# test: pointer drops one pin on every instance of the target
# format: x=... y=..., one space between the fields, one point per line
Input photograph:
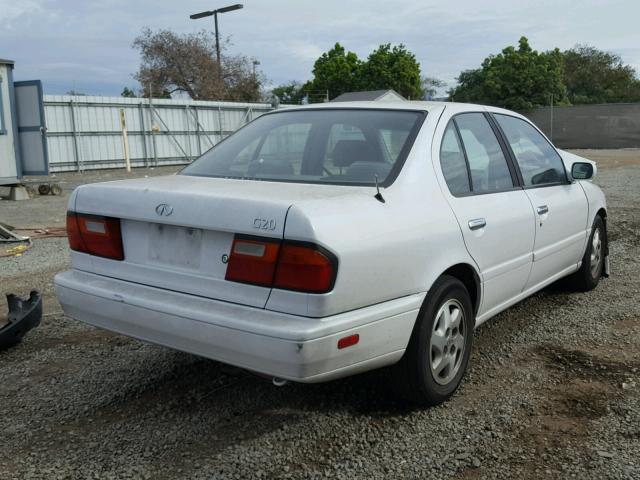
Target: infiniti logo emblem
x=164 y=210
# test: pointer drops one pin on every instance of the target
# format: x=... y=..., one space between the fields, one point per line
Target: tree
x=392 y=68
x=336 y=72
x=518 y=79
x=430 y=86
x=128 y=93
x=595 y=76
x=186 y=63
x=291 y=93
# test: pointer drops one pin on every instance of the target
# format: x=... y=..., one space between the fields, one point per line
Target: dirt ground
x=553 y=389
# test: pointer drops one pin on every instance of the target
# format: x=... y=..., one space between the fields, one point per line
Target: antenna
x=378 y=196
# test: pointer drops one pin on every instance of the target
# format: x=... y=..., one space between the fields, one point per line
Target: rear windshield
x=339 y=146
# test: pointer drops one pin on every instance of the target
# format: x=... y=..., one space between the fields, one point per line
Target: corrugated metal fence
x=85 y=133
x=590 y=126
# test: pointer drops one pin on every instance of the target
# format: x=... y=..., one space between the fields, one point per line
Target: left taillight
x=95 y=235
x=253 y=260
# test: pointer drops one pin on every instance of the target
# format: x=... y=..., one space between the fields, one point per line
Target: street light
x=215 y=13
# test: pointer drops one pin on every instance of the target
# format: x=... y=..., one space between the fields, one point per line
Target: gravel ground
x=553 y=390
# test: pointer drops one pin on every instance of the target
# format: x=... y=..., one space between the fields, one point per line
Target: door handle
x=477 y=223
x=542 y=209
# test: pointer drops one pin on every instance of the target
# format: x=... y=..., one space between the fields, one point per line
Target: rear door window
x=453 y=163
x=487 y=162
x=538 y=161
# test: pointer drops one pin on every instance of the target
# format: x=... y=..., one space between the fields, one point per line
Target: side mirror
x=582 y=171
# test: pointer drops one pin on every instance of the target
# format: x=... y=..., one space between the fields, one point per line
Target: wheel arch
x=470 y=279
x=602 y=213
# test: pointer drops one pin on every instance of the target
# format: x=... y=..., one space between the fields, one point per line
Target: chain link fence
x=590 y=126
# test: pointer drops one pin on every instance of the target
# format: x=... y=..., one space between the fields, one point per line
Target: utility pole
x=551 y=120
x=215 y=21
x=215 y=13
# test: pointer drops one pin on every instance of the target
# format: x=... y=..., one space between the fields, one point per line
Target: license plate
x=178 y=247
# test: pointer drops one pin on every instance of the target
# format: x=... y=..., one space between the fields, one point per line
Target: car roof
x=382 y=105
x=396 y=105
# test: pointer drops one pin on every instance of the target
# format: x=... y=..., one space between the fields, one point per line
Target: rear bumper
x=292 y=347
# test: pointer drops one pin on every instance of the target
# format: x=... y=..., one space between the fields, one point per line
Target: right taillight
x=95 y=235
x=299 y=266
x=305 y=268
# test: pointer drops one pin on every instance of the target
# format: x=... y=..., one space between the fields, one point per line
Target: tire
x=419 y=377
x=588 y=277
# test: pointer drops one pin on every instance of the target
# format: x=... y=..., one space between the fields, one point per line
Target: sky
x=85 y=45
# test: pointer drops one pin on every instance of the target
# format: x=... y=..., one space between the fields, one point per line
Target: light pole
x=215 y=13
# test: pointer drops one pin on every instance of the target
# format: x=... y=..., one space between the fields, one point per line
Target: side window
x=539 y=163
x=488 y=165
x=454 y=166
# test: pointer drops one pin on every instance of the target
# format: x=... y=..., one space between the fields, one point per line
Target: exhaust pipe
x=279 y=382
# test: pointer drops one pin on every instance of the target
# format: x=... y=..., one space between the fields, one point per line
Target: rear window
x=338 y=146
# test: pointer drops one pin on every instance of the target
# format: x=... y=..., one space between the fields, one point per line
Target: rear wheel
x=438 y=353
x=588 y=277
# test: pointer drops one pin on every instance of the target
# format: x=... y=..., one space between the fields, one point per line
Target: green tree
x=128 y=93
x=518 y=79
x=291 y=93
x=336 y=72
x=392 y=67
x=595 y=76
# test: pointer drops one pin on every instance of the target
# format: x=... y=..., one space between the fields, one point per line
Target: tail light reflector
x=95 y=235
x=349 y=341
x=298 y=266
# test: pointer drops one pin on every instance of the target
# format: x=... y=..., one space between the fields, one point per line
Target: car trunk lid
x=177 y=231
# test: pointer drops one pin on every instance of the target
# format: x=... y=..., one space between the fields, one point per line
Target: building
x=23 y=146
x=370 y=96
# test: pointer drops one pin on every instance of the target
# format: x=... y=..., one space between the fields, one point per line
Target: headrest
x=347 y=152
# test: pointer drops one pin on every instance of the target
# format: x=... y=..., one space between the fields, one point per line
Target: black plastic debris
x=8 y=235
x=23 y=316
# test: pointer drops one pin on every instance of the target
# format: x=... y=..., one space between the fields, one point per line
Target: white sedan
x=323 y=241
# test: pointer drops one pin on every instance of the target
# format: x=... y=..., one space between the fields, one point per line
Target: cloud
x=87 y=44
x=14 y=13
x=302 y=50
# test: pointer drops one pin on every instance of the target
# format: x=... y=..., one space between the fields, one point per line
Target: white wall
x=8 y=168
x=85 y=133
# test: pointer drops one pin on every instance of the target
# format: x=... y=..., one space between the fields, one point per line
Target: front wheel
x=438 y=352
